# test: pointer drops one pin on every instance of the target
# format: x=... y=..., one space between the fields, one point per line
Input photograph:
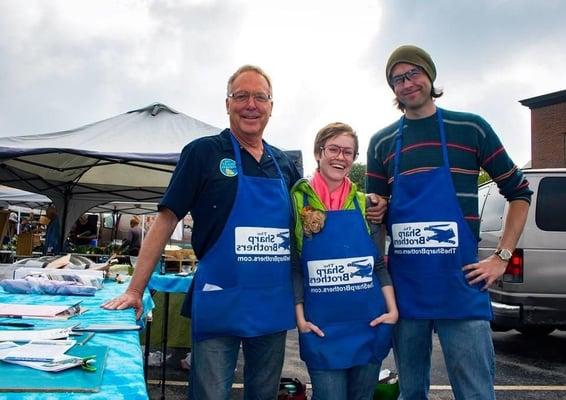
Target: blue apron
x=342 y=295
x=243 y=284
x=430 y=243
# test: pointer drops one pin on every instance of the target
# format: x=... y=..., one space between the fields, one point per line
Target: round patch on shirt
x=228 y=167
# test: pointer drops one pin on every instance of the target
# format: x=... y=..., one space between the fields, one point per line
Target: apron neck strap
x=305 y=200
x=399 y=140
x=238 y=155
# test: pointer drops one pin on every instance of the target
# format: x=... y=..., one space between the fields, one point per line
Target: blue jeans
x=468 y=354
x=213 y=362
x=356 y=383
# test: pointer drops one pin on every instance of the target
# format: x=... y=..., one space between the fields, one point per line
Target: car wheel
x=536 y=330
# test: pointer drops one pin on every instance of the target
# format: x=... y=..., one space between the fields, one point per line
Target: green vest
x=302 y=188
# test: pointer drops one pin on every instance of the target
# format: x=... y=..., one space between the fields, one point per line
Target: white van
x=531 y=295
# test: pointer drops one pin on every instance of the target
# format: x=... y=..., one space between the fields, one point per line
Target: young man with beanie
x=428 y=162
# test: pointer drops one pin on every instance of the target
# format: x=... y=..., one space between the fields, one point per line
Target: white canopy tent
x=15 y=197
x=11 y=197
x=128 y=159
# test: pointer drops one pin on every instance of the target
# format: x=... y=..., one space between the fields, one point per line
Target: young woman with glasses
x=345 y=305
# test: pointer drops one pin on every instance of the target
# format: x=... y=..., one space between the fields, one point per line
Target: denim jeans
x=213 y=362
x=356 y=383
x=468 y=354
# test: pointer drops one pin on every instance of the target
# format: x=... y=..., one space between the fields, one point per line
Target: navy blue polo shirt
x=198 y=185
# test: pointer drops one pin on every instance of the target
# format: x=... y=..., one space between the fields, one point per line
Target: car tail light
x=514 y=271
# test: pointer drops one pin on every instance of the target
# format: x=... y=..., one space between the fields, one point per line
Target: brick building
x=548 y=129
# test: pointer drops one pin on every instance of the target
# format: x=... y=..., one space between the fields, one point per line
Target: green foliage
x=86 y=249
x=358 y=175
x=113 y=249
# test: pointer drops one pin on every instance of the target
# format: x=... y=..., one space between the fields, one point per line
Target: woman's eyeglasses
x=333 y=151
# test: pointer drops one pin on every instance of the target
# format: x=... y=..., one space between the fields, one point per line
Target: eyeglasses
x=409 y=75
x=244 y=97
x=333 y=151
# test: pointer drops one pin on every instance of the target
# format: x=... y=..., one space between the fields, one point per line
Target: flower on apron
x=312 y=219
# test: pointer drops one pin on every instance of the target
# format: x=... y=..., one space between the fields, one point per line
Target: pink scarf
x=334 y=200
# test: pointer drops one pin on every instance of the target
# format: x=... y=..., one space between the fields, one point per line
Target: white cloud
x=67 y=63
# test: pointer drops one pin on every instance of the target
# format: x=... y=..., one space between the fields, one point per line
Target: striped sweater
x=472 y=144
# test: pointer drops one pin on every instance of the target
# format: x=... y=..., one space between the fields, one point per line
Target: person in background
x=134 y=239
x=26 y=224
x=345 y=304
x=236 y=187
x=12 y=228
x=428 y=162
x=53 y=233
x=85 y=230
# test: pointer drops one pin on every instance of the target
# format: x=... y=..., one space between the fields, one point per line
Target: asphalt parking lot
x=527 y=368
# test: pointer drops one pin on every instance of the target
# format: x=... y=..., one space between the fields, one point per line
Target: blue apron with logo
x=430 y=243
x=342 y=295
x=243 y=284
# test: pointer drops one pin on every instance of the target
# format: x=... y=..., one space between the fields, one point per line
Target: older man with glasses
x=235 y=186
x=428 y=162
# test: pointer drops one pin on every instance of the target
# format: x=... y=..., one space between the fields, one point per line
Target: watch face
x=504 y=254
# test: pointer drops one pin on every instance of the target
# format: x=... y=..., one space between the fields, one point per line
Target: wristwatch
x=504 y=254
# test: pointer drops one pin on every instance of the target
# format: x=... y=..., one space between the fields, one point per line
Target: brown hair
x=330 y=131
x=247 y=68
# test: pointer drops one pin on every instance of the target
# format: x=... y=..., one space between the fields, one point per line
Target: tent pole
x=115 y=227
x=63 y=215
x=19 y=220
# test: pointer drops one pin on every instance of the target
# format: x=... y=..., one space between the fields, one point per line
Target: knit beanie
x=411 y=55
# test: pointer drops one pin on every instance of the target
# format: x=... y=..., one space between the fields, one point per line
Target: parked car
x=531 y=295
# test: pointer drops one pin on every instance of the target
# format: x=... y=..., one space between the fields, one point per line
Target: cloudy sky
x=66 y=63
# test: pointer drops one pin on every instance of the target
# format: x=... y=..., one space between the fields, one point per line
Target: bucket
x=387 y=388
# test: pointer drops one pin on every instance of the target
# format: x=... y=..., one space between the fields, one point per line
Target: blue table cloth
x=170 y=283
x=123 y=376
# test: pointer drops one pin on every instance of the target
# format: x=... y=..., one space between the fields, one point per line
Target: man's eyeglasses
x=409 y=75
x=333 y=151
x=244 y=97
